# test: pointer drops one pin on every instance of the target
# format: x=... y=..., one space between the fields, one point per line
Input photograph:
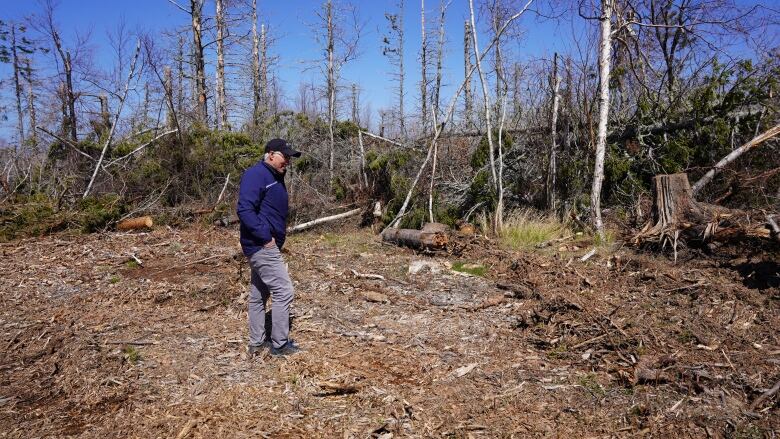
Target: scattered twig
x=764 y=396
x=588 y=255
x=133 y=342
x=367 y=275
x=187 y=427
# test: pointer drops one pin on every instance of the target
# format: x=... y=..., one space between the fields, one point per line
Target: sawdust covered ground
x=95 y=344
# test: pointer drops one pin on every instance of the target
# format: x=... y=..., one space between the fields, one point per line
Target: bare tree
x=439 y=57
x=393 y=47
x=122 y=99
x=68 y=95
x=31 y=101
x=555 y=84
x=439 y=125
x=222 y=121
x=17 y=82
x=256 y=96
x=605 y=52
x=335 y=58
x=423 y=71
x=198 y=61
x=467 y=98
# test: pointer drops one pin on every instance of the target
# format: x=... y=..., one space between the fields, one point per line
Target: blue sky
x=292 y=25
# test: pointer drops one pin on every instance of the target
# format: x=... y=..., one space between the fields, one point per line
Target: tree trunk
x=180 y=77
x=221 y=99
x=265 y=96
x=17 y=85
x=467 y=99
x=486 y=101
x=605 y=49
x=401 y=118
x=31 y=102
x=551 y=164
x=331 y=90
x=170 y=119
x=439 y=57
x=201 y=112
x=423 y=72
x=72 y=122
x=355 y=106
x=255 y=67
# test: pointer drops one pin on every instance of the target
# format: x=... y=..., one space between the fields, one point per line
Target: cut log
x=419 y=239
x=143 y=222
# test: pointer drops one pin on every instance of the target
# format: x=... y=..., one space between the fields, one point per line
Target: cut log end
x=143 y=222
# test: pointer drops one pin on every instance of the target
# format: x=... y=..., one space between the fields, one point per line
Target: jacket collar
x=273 y=170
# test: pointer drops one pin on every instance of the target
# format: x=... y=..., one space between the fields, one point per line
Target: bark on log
x=143 y=222
x=419 y=239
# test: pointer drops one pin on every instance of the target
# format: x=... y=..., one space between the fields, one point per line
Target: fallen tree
x=679 y=217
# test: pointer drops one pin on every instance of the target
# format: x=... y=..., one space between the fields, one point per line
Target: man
x=262 y=211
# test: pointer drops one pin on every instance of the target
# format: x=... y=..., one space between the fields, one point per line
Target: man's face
x=279 y=161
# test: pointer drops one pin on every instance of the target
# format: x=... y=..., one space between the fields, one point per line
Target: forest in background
x=653 y=87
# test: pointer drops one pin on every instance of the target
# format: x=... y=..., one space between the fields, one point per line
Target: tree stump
x=679 y=217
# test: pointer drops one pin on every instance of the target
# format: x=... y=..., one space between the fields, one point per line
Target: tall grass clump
x=524 y=228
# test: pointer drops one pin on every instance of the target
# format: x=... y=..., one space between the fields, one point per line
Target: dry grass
x=525 y=228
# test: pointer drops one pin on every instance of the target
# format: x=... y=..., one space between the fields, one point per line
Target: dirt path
x=96 y=345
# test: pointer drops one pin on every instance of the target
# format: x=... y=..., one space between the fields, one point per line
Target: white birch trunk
x=255 y=67
x=605 y=50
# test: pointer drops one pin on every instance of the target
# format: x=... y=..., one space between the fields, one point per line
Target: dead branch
x=122 y=100
x=764 y=396
x=307 y=225
x=733 y=155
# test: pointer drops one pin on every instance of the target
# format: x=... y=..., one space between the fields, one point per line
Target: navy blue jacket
x=262 y=207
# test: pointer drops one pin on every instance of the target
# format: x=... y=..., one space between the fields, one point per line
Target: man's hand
x=270 y=244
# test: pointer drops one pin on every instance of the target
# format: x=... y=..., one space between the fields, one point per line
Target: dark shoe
x=257 y=350
x=288 y=348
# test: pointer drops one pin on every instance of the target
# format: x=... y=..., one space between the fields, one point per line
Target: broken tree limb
x=144 y=222
x=122 y=100
x=733 y=155
x=326 y=219
x=141 y=147
x=67 y=142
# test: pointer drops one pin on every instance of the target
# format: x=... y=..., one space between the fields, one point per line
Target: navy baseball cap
x=282 y=146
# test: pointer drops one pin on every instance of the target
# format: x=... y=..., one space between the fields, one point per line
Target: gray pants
x=269 y=279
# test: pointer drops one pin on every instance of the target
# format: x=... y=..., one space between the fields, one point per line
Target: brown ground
x=544 y=345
